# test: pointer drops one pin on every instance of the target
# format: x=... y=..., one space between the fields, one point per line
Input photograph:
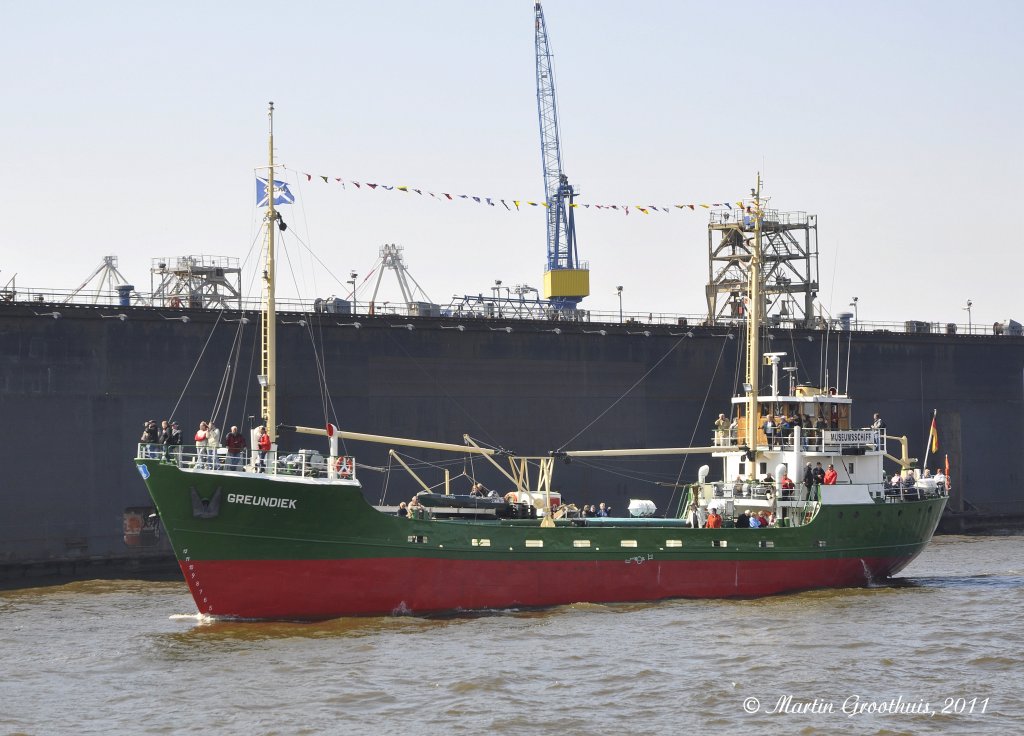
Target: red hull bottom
x=320 y=589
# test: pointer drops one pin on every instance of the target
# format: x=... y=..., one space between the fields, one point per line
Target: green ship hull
x=265 y=546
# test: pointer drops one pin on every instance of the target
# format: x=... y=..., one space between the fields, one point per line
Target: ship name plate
x=269 y=501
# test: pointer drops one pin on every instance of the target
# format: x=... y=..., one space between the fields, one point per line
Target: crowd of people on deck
x=901 y=481
x=165 y=441
x=778 y=426
x=697 y=519
x=601 y=511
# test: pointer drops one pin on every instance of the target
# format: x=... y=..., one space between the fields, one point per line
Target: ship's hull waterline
x=267 y=548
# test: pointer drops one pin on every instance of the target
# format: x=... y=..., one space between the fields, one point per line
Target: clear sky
x=133 y=129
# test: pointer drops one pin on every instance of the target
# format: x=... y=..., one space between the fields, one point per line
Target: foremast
x=268 y=314
x=754 y=310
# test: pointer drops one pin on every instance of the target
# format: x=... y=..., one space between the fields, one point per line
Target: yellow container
x=567 y=282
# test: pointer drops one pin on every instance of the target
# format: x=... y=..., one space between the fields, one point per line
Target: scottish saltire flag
x=282 y=194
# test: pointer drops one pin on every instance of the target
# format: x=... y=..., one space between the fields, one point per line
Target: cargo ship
x=266 y=533
x=79 y=379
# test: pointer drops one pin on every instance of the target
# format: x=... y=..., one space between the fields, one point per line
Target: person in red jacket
x=831 y=475
x=787 y=486
x=263 y=445
x=714 y=520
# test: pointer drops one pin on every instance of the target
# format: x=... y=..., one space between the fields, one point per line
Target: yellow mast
x=754 y=309
x=268 y=384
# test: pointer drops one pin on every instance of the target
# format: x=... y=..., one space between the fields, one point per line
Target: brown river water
x=937 y=651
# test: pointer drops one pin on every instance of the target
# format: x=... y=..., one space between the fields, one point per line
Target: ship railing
x=195 y=457
x=491 y=307
x=742 y=491
x=913 y=490
x=724 y=437
x=304 y=463
x=761 y=491
x=794 y=506
x=829 y=441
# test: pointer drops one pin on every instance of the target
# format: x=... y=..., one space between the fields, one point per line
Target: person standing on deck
x=785 y=429
x=201 y=435
x=212 y=443
x=263 y=445
x=165 y=436
x=808 y=479
x=236 y=444
x=819 y=474
x=820 y=425
x=174 y=443
x=693 y=516
x=150 y=436
x=721 y=430
x=787 y=485
x=769 y=430
x=831 y=476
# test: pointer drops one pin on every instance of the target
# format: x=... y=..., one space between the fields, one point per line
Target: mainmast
x=268 y=379
x=754 y=309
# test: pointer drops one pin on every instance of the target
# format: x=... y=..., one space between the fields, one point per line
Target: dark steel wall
x=74 y=392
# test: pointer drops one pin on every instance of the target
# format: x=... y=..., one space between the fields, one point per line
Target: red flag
x=947 y=471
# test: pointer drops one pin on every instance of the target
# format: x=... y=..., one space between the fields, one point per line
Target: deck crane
x=566 y=278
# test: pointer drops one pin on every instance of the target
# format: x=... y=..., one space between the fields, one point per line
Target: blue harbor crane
x=566 y=278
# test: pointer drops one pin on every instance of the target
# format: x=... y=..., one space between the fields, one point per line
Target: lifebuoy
x=511 y=497
x=344 y=466
x=831 y=392
x=175 y=302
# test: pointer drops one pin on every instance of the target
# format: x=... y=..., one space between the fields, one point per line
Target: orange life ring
x=831 y=392
x=344 y=466
x=175 y=302
x=511 y=497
